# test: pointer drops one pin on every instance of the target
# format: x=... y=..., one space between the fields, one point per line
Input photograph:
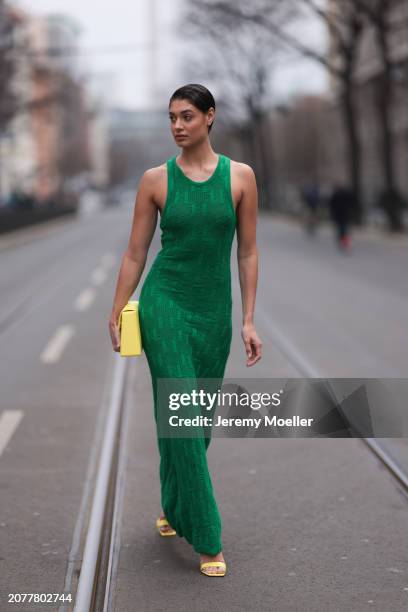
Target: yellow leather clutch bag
x=129 y=330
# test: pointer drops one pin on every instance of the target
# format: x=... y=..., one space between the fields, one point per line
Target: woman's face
x=189 y=125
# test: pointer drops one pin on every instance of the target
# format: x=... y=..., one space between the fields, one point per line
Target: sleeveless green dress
x=185 y=318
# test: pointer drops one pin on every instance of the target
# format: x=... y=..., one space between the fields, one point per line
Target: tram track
x=100 y=552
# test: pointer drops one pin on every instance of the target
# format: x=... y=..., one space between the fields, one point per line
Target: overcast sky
x=107 y=26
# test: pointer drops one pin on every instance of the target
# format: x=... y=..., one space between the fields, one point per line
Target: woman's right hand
x=114 y=332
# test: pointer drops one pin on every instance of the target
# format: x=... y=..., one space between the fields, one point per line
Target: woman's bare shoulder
x=156 y=173
x=241 y=169
x=242 y=174
x=155 y=179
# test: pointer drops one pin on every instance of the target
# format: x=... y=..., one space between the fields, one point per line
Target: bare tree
x=379 y=15
x=345 y=24
x=238 y=58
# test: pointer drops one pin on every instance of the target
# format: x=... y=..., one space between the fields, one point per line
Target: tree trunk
x=390 y=198
x=354 y=149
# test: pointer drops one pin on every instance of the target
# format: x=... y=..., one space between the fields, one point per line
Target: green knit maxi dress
x=185 y=309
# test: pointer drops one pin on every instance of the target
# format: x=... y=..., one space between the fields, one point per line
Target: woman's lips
x=181 y=136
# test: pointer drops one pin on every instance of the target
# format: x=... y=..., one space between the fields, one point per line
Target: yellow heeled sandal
x=213 y=564
x=160 y=523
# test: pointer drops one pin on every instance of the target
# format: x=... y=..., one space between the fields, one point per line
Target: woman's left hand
x=253 y=344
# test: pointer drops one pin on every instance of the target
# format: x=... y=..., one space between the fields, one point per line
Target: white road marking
x=57 y=344
x=9 y=421
x=98 y=276
x=85 y=299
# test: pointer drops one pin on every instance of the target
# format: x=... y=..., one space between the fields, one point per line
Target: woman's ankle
x=220 y=554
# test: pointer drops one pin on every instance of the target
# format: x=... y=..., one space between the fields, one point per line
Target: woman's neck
x=198 y=157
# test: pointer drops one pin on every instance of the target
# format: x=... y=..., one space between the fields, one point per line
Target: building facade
x=46 y=140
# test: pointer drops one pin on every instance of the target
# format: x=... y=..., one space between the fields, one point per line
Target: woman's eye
x=186 y=118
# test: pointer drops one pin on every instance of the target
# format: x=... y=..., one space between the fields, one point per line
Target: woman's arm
x=134 y=258
x=247 y=255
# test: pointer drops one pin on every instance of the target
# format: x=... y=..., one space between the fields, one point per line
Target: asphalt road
x=308 y=524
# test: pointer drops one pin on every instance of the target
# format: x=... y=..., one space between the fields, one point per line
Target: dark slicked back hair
x=198 y=95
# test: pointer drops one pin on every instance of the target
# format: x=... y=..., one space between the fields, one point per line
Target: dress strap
x=170 y=186
x=226 y=176
x=170 y=176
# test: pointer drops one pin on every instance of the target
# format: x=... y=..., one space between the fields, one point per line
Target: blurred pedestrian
x=311 y=198
x=342 y=204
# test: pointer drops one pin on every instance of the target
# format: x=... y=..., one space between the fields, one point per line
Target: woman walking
x=185 y=303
